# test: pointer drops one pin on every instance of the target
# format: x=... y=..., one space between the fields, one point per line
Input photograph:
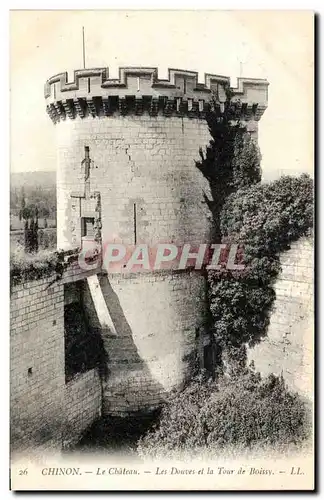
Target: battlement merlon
x=138 y=83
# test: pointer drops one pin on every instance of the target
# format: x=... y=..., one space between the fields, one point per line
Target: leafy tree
x=22 y=204
x=31 y=197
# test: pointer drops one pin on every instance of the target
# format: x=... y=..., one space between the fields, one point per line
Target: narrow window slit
x=135 y=222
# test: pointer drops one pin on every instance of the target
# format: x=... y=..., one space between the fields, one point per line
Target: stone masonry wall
x=45 y=412
x=151 y=192
x=131 y=143
x=37 y=363
x=155 y=339
x=154 y=348
x=82 y=405
x=142 y=160
x=288 y=348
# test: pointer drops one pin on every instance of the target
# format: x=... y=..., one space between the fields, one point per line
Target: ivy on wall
x=233 y=414
x=262 y=218
x=28 y=267
x=265 y=219
x=231 y=160
x=24 y=267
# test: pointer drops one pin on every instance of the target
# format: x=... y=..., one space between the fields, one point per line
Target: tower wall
x=148 y=162
x=157 y=317
x=126 y=157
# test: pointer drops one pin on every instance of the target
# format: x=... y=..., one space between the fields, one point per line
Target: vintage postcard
x=162 y=250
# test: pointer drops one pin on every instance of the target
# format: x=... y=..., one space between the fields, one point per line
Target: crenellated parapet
x=139 y=90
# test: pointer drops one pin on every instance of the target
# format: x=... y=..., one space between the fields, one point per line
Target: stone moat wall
x=45 y=409
x=289 y=345
x=146 y=355
x=51 y=412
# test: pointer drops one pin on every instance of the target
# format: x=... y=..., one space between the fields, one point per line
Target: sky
x=276 y=45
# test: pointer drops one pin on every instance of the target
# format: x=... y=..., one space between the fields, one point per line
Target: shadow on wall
x=83 y=352
x=129 y=387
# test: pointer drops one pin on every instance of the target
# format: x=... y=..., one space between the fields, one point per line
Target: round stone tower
x=126 y=151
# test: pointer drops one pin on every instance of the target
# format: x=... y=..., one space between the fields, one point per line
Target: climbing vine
x=232 y=158
x=28 y=267
x=262 y=218
x=265 y=219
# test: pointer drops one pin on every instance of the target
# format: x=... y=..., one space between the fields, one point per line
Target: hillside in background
x=32 y=179
x=35 y=190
